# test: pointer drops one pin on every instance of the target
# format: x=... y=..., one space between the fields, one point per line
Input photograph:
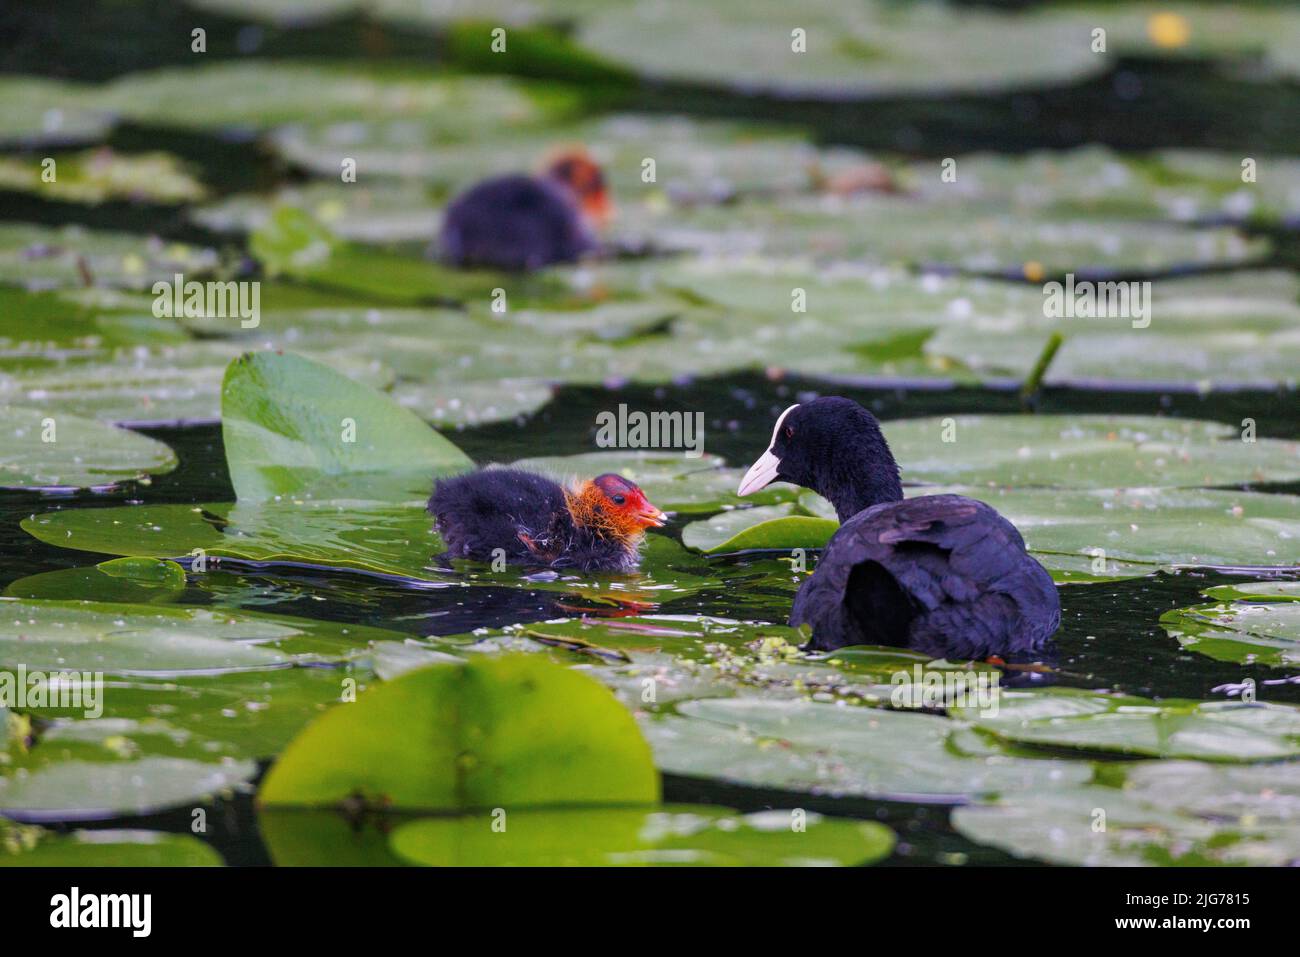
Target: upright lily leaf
x=53 y=450
x=512 y=732
x=295 y=428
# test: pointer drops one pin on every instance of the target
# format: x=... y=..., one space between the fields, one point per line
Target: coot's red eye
x=789 y=431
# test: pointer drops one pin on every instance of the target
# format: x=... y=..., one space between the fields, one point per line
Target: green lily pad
x=139 y=580
x=1168 y=812
x=38 y=112
x=670 y=835
x=839 y=751
x=1258 y=631
x=1256 y=591
x=171 y=384
x=1186 y=340
x=865 y=48
x=162 y=640
x=30 y=846
x=262 y=94
x=45 y=257
x=248 y=714
x=81 y=790
x=766 y=527
x=294 y=428
x=51 y=450
x=1098 y=723
x=975 y=239
x=513 y=732
x=1086 y=451
x=97 y=176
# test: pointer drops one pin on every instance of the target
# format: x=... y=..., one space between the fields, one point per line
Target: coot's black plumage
x=942 y=574
x=519 y=222
x=529 y=519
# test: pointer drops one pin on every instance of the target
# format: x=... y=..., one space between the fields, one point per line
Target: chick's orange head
x=623 y=503
x=584 y=178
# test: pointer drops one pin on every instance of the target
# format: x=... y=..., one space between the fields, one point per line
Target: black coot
x=942 y=574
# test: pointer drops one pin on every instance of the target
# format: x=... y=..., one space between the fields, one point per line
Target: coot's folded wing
x=944 y=574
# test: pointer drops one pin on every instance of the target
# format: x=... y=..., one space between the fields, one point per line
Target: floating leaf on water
x=1262 y=627
x=840 y=751
x=513 y=731
x=1098 y=723
x=43 y=449
x=104 y=848
x=167 y=640
x=664 y=836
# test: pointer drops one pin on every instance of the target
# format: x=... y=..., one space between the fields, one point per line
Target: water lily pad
x=295 y=428
x=1098 y=723
x=247 y=714
x=766 y=527
x=78 y=790
x=834 y=750
x=52 y=450
x=138 y=580
x=1260 y=630
x=1256 y=591
x=39 y=111
x=259 y=94
x=35 y=847
x=163 y=640
x=512 y=732
x=1167 y=812
x=96 y=176
x=165 y=384
x=45 y=257
x=866 y=48
x=1086 y=451
x=1186 y=339
x=973 y=239
x=670 y=835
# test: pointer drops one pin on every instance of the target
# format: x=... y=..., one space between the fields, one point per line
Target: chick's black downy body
x=514 y=222
x=942 y=574
x=529 y=518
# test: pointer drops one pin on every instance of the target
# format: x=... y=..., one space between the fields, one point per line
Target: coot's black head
x=834 y=447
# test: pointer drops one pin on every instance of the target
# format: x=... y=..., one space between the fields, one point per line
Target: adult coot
x=942 y=574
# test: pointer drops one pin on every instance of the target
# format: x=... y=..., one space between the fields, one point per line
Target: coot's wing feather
x=972 y=589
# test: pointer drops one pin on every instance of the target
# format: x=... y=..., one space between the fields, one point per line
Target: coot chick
x=534 y=520
x=518 y=222
x=945 y=575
